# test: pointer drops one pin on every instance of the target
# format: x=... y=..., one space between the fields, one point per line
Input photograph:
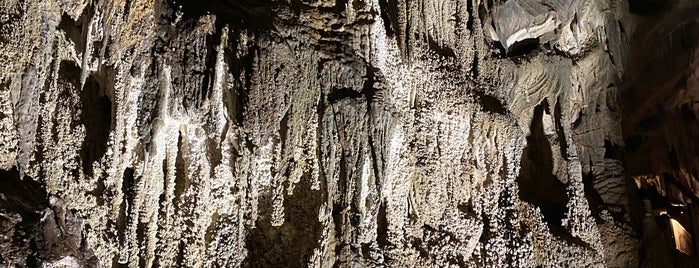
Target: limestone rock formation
x=347 y=133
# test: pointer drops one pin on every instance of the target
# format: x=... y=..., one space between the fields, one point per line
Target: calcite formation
x=314 y=133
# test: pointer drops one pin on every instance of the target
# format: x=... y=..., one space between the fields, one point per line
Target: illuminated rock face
x=362 y=133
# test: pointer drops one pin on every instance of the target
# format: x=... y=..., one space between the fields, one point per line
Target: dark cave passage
x=661 y=130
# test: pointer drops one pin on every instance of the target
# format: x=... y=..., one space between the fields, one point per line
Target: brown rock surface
x=318 y=133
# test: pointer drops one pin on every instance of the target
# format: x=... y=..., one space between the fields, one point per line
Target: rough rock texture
x=355 y=133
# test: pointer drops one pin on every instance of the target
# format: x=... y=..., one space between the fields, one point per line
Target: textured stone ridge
x=362 y=133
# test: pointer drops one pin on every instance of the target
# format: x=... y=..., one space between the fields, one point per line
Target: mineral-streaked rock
x=313 y=133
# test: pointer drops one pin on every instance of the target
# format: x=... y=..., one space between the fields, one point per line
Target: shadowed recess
x=523 y=47
x=291 y=244
x=27 y=198
x=248 y=14
x=96 y=116
x=649 y=6
x=23 y=196
x=537 y=184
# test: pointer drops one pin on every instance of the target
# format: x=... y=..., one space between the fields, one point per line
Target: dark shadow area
x=557 y=115
x=76 y=31
x=96 y=116
x=660 y=130
x=594 y=200
x=613 y=151
x=73 y=31
x=126 y=206
x=27 y=199
x=650 y=7
x=382 y=227
x=633 y=143
x=490 y=104
x=443 y=51
x=148 y=104
x=653 y=119
x=389 y=15
x=181 y=178
x=249 y=14
x=523 y=47
x=292 y=244
x=338 y=94
x=10 y=17
x=95 y=113
x=241 y=67
x=537 y=184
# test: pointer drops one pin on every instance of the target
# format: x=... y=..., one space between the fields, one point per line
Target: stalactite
x=368 y=133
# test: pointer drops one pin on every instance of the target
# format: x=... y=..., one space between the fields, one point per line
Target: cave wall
x=314 y=133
